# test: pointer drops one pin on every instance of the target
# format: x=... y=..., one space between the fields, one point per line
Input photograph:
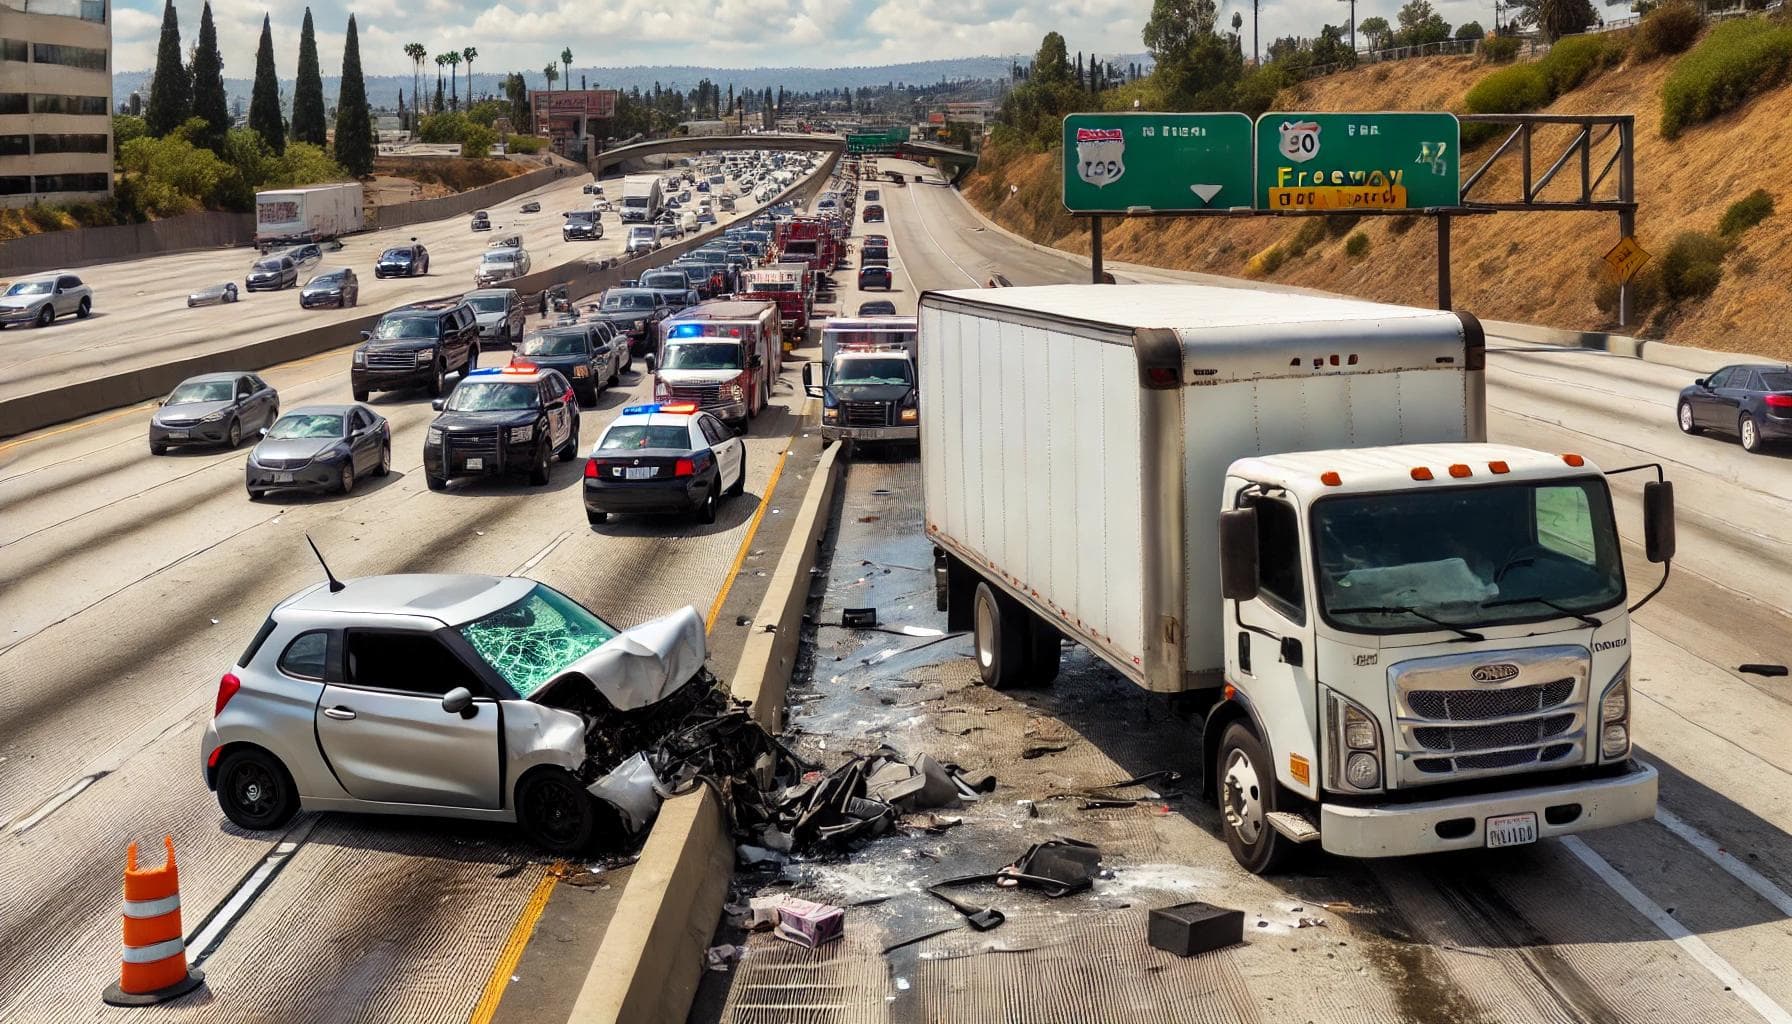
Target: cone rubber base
x=115 y=996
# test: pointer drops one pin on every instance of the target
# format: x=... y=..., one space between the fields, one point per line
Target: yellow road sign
x=1626 y=258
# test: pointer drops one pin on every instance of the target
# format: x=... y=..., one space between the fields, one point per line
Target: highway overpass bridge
x=960 y=161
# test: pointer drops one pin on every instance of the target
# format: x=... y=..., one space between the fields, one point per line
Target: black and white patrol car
x=666 y=458
x=512 y=419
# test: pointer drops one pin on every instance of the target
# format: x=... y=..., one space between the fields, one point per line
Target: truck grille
x=704 y=395
x=483 y=444
x=864 y=414
x=1451 y=725
x=391 y=360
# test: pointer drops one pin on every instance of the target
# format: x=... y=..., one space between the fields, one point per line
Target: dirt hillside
x=1529 y=267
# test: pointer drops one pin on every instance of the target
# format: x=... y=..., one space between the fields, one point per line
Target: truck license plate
x=283 y=478
x=1511 y=830
x=476 y=463
x=637 y=473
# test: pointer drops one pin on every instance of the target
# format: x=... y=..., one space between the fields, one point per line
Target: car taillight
x=1779 y=401
x=227 y=688
x=592 y=468
x=685 y=467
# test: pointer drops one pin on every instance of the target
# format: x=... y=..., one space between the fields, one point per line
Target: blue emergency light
x=687 y=331
x=640 y=410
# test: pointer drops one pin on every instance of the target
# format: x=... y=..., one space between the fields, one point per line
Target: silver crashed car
x=492 y=698
x=212 y=296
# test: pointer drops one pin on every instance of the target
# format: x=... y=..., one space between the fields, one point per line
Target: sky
x=526 y=34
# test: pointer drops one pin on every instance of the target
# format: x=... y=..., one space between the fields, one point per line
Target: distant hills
x=382 y=90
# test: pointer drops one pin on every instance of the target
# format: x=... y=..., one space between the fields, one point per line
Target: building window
x=15 y=185
x=73 y=182
x=12 y=103
x=69 y=144
x=50 y=103
x=15 y=145
x=13 y=49
x=69 y=56
x=86 y=10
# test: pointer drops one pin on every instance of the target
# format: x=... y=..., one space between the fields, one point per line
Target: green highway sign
x=1156 y=163
x=1310 y=162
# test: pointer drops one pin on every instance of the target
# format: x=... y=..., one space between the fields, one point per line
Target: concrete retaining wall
x=56 y=250
x=402 y=214
x=84 y=398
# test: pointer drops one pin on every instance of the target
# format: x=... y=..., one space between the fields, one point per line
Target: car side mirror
x=437 y=404
x=1238 y=554
x=1700 y=383
x=651 y=362
x=1658 y=520
x=459 y=701
x=264 y=431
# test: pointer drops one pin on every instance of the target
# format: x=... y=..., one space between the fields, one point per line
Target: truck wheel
x=436 y=483
x=437 y=383
x=538 y=476
x=1248 y=792
x=1000 y=638
x=1044 y=647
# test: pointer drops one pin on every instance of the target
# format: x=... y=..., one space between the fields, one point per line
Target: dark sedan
x=1753 y=402
x=402 y=261
x=213 y=409
x=332 y=289
x=877 y=307
x=874 y=277
x=272 y=274
x=320 y=448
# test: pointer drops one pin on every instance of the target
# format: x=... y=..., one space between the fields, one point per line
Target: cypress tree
x=170 y=92
x=209 y=101
x=354 y=124
x=308 y=91
x=264 y=101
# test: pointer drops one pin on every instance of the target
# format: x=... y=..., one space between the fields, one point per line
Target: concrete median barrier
x=84 y=398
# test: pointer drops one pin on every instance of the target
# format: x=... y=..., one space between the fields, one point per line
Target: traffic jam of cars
x=534 y=700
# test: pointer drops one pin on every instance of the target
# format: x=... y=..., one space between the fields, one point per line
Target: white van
x=687 y=222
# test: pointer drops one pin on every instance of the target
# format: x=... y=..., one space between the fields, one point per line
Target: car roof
x=432 y=306
x=489 y=291
x=200 y=378
x=336 y=409
x=450 y=598
x=510 y=373
x=651 y=419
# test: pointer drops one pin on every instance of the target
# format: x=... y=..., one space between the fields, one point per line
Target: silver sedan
x=491 y=698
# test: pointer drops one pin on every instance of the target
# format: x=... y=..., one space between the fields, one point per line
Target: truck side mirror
x=366 y=335
x=651 y=362
x=755 y=361
x=1238 y=554
x=810 y=388
x=437 y=404
x=1658 y=520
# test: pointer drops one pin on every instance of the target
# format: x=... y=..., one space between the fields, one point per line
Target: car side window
x=66 y=283
x=307 y=656
x=1720 y=379
x=708 y=427
x=410 y=661
x=1754 y=382
x=1279 y=558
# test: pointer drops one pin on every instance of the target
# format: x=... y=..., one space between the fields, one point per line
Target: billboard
x=589 y=103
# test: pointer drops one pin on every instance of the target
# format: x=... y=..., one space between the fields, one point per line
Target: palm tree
x=417 y=52
x=552 y=71
x=441 y=62
x=469 y=53
x=453 y=59
x=566 y=59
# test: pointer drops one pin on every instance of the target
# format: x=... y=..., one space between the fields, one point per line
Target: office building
x=55 y=101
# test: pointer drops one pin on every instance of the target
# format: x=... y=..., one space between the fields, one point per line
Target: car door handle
x=340 y=713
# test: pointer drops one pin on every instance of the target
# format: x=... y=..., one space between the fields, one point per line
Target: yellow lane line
x=771 y=487
x=512 y=953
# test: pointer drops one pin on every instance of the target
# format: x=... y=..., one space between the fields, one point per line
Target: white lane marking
x=1718 y=855
x=52 y=805
x=916 y=205
x=217 y=924
x=539 y=555
x=1694 y=946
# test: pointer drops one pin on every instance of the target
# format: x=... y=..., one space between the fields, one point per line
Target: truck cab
x=869 y=387
x=723 y=355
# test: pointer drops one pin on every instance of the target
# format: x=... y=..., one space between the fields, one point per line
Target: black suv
x=501 y=420
x=417 y=346
x=582 y=224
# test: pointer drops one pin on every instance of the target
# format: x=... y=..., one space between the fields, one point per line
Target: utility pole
x=1352 y=4
x=1256 y=55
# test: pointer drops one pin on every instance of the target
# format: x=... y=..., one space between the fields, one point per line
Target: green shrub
x=1668 y=29
x=1574 y=59
x=1692 y=265
x=1499 y=49
x=1356 y=245
x=526 y=143
x=1511 y=90
x=476 y=140
x=1645 y=291
x=1745 y=213
x=1735 y=60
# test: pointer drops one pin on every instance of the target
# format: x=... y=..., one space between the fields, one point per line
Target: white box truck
x=309 y=214
x=1401 y=639
x=640 y=198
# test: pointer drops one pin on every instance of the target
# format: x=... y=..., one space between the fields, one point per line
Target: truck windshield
x=532 y=641
x=1467 y=556
x=702 y=355
x=882 y=370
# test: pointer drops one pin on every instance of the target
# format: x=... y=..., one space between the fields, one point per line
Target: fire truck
x=791 y=287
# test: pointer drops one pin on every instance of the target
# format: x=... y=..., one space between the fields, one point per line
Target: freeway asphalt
x=131 y=585
x=1682 y=918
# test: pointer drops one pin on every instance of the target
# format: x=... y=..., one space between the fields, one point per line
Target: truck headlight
x=426 y=355
x=581 y=370
x=1355 y=745
x=433 y=438
x=1362 y=770
x=830 y=414
x=733 y=392
x=360 y=358
x=1614 y=717
x=522 y=434
x=1359 y=729
x=909 y=414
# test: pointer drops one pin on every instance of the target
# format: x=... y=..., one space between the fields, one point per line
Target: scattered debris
x=981 y=918
x=869 y=519
x=1189 y=928
x=1102 y=805
x=858 y=618
x=631 y=788
x=1043 y=749
x=1056 y=867
x=719 y=958
x=1310 y=922
x=809 y=924
x=1751 y=669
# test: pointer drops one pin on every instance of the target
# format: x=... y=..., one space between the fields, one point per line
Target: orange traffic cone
x=155 y=956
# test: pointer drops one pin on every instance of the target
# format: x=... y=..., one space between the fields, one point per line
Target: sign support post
x=1095 y=247
x=1443 y=261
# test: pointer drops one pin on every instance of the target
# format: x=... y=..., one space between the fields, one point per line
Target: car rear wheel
x=360 y=394
x=571 y=447
x=436 y=483
x=255 y=791
x=555 y=812
x=1686 y=422
x=706 y=513
x=1750 y=433
x=740 y=480
x=85 y=309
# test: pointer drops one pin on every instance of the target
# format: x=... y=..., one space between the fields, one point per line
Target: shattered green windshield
x=534 y=640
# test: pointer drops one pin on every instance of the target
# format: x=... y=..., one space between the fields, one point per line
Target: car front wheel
x=555 y=812
x=1687 y=426
x=45 y=315
x=255 y=791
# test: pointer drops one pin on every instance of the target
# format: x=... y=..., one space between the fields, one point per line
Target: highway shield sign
x=1156 y=163
x=1308 y=162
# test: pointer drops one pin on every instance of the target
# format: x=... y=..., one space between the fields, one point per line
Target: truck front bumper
x=910 y=433
x=1399 y=830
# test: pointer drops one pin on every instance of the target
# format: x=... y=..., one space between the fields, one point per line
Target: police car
x=670 y=457
x=510 y=419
